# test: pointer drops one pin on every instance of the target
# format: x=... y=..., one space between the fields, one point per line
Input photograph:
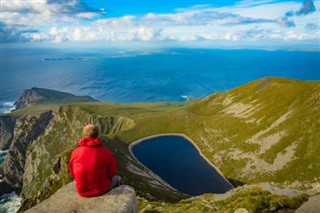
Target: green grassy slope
x=254 y=199
x=53 y=96
x=264 y=131
x=267 y=130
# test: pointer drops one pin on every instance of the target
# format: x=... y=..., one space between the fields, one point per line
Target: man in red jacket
x=92 y=165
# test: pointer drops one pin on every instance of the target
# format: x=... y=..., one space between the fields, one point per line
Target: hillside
x=46 y=96
x=264 y=131
x=267 y=130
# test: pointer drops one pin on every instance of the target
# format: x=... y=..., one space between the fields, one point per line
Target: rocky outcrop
x=121 y=199
x=27 y=97
x=7 y=124
x=27 y=130
x=268 y=187
x=311 y=206
x=46 y=164
x=40 y=95
x=263 y=197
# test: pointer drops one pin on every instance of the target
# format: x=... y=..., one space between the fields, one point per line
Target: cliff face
x=27 y=97
x=46 y=168
x=121 y=199
x=7 y=124
x=37 y=163
x=39 y=95
x=26 y=131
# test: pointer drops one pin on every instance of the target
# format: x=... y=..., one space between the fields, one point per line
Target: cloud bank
x=74 y=21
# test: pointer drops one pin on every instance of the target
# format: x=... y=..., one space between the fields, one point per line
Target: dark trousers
x=115 y=181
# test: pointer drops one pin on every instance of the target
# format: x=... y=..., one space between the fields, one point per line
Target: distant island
x=263 y=131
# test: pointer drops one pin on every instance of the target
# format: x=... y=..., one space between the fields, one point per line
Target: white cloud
x=45 y=12
x=24 y=6
x=262 y=9
x=247 y=21
x=86 y=15
x=144 y=34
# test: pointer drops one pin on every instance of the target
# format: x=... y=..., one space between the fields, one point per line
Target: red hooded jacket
x=92 y=166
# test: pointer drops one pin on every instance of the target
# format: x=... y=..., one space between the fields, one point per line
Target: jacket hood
x=90 y=142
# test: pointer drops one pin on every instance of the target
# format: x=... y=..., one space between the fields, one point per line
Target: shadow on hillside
x=235 y=182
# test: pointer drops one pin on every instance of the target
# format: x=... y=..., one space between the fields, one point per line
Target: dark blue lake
x=179 y=163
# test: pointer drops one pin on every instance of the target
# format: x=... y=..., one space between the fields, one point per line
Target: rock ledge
x=121 y=199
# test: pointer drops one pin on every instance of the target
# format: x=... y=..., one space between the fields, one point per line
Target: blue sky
x=239 y=24
x=142 y=7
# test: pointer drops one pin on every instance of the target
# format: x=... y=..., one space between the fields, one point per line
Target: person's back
x=93 y=166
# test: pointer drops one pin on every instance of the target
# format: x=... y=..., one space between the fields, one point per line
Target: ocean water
x=9 y=203
x=178 y=162
x=3 y=154
x=125 y=76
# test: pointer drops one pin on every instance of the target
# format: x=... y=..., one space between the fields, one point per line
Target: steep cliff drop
x=7 y=124
x=26 y=131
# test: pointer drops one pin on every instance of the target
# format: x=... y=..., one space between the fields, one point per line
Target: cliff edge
x=121 y=199
x=7 y=124
x=47 y=96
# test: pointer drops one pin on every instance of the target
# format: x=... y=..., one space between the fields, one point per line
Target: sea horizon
x=154 y=75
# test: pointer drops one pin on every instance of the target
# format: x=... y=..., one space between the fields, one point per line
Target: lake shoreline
x=131 y=145
x=151 y=173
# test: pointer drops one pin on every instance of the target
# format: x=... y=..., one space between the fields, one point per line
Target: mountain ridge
x=263 y=131
x=41 y=95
